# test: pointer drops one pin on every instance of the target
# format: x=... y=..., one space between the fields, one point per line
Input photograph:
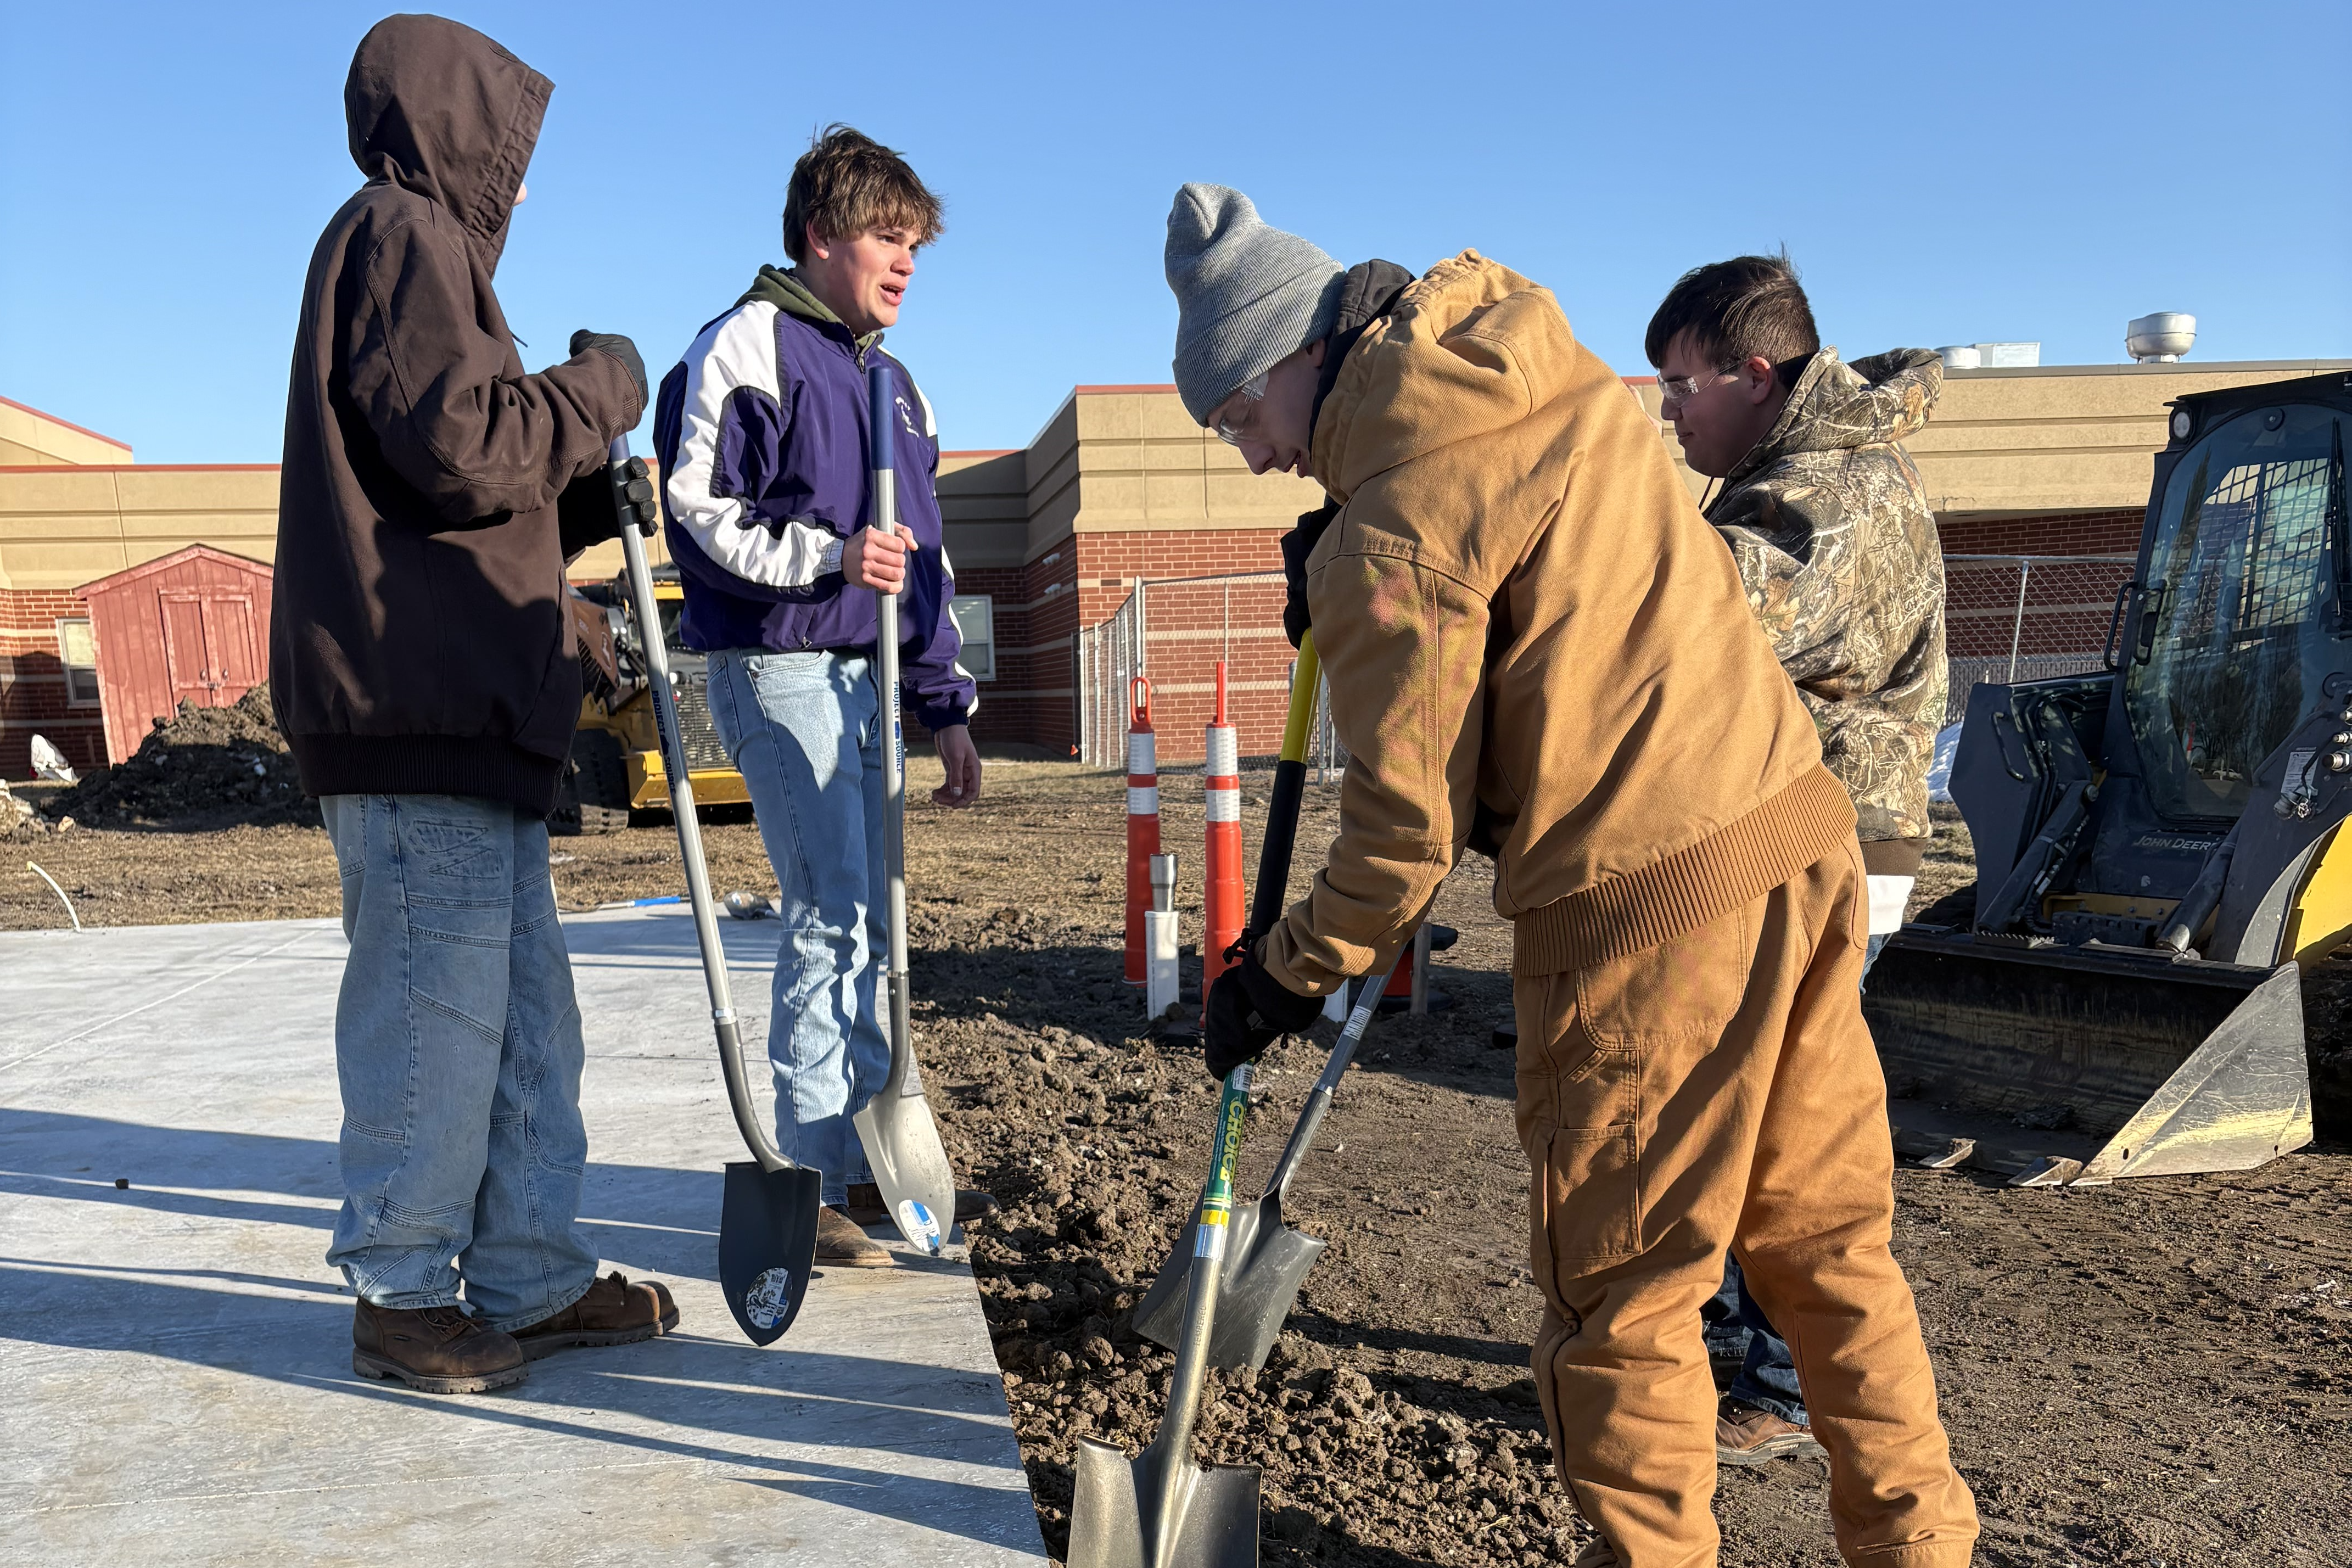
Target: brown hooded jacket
x=1537 y=647
x=419 y=643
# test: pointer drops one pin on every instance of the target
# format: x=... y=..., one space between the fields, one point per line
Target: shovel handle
x=881 y=408
x=1173 y=1444
x=619 y=469
x=1289 y=793
x=1327 y=1085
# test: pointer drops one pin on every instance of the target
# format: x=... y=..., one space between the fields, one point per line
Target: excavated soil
x=201 y=768
x=2158 y=1373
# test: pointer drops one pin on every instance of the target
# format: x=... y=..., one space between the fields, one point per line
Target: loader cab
x=2242 y=605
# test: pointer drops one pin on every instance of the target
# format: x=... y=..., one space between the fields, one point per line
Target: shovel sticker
x=917 y=1223
x=770 y=1298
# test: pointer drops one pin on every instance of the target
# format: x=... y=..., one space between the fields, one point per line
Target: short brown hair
x=1738 y=309
x=847 y=183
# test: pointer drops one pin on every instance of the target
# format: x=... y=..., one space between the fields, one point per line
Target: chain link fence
x=2006 y=618
x=1173 y=630
x=2027 y=617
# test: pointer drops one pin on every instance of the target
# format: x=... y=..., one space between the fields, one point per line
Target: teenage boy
x=422 y=667
x=762 y=434
x=1836 y=547
x=1538 y=648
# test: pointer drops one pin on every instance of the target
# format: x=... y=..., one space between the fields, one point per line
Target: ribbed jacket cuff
x=427 y=764
x=1637 y=911
x=1893 y=856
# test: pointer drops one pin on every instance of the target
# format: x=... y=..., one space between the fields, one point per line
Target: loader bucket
x=2168 y=1066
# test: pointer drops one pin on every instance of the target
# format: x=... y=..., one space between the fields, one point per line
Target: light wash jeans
x=458 y=1045
x=806 y=731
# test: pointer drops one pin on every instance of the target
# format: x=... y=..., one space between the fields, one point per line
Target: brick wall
x=2057 y=534
x=33 y=683
x=1188 y=626
x=1039 y=607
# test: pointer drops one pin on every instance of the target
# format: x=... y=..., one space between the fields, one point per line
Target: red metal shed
x=191 y=625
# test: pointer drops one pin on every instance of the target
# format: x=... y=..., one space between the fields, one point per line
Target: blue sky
x=1940 y=174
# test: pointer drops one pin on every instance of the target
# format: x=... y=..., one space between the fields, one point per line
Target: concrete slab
x=175 y=1357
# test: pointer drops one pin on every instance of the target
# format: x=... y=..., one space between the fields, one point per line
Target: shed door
x=186 y=664
x=229 y=641
x=209 y=651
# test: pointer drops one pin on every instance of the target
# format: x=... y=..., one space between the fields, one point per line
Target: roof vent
x=2161 y=338
x=1989 y=356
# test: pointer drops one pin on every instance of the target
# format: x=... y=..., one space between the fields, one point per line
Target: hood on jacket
x=787 y=293
x=435 y=107
x=1835 y=407
x=1469 y=348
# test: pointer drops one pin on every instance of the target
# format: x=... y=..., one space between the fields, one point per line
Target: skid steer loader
x=617 y=760
x=2159 y=844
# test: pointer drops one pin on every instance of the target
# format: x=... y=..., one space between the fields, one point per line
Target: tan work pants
x=1717 y=1091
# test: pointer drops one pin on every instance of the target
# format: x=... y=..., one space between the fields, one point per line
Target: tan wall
x=62 y=527
x=1119 y=459
x=2060 y=437
x=1112 y=459
x=29 y=436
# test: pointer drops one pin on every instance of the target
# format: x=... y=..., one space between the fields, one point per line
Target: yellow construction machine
x=616 y=759
x=2159 y=845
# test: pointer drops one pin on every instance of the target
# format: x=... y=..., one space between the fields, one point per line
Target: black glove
x=1248 y=1010
x=1296 y=546
x=620 y=348
x=637 y=494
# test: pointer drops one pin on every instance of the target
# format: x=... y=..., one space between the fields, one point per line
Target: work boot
x=615 y=1310
x=1746 y=1435
x=866 y=1206
x=434 y=1350
x=840 y=1243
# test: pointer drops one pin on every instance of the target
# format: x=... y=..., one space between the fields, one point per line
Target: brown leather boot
x=616 y=1310
x=434 y=1350
x=841 y=1245
x=865 y=1207
x=1746 y=1435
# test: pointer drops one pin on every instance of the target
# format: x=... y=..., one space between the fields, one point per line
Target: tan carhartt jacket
x=1537 y=647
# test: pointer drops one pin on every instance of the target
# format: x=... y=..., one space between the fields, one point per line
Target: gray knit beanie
x=1246 y=293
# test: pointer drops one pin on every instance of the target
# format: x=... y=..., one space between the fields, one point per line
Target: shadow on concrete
x=722 y=1387
x=649 y=1218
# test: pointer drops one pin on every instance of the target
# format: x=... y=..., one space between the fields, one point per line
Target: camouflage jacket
x=1831 y=530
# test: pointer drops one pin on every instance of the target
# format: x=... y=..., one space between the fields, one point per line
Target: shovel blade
x=1266 y=1261
x=910 y=1166
x=1254 y=1300
x=1114 y=1504
x=767 y=1246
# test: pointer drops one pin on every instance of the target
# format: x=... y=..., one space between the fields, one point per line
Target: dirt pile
x=1376 y=1441
x=201 y=768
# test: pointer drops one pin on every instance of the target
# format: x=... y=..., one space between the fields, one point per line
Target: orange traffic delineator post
x=1142 y=822
x=1224 y=899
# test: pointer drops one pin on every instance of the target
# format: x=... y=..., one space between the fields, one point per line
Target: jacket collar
x=787 y=293
x=1837 y=408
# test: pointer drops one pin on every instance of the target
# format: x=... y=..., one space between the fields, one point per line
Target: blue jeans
x=806 y=732
x=457 y=1046
x=1768 y=1377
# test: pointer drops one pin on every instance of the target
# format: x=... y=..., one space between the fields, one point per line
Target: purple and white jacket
x=761 y=435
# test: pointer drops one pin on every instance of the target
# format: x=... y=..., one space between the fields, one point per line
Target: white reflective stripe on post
x=1160 y=983
x=1225 y=806
x=1140 y=753
x=1225 y=753
x=1142 y=801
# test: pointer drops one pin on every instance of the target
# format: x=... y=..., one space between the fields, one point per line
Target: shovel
x=1269 y=1260
x=767 y=1220
x=1160 y=1510
x=902 y=1142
